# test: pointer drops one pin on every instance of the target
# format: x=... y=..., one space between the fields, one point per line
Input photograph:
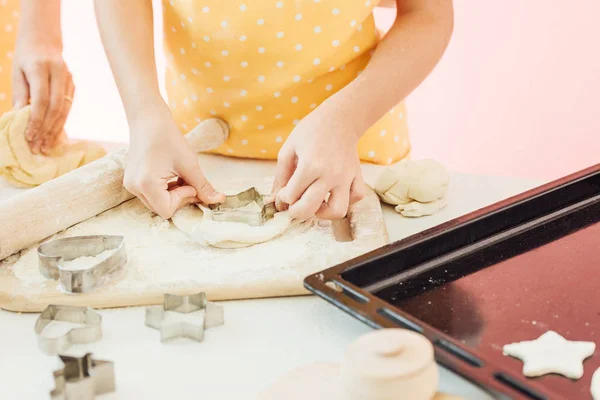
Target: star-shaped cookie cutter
x=232 y=209
x=54 y=253
x=91 y=331
x=83 y=378
x=212 y=316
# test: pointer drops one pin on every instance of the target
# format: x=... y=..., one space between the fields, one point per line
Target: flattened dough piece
x=551 y=353
x=20 y=167
x=196 y=221
x=595 y=388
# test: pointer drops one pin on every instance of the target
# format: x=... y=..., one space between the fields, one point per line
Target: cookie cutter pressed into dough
x=232 y=209
x=54 y=253
x=91 y=331
x=212 y=316
x=83 y=378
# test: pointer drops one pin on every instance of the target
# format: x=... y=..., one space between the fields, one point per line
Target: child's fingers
x=303 y=177
x=310 y=201
x=358 y=189
x=336 y=207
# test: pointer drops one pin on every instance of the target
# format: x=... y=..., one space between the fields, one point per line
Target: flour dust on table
x=162 y=257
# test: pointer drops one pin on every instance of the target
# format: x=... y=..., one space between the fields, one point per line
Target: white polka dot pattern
x=263 y=65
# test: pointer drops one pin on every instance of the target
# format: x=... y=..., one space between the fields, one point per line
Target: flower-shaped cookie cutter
x=90 y=331
x=54 y=253
x=234 y=208
x=212 y=316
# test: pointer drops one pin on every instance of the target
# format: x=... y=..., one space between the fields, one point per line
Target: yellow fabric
x=20 y=167
x=9 y=18
x=263 y=65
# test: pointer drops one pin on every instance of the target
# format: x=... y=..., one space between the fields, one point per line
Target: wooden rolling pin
x=35 y=214
x=385 y=364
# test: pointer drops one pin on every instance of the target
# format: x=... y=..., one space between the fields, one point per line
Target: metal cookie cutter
x=212 y=316
x=53 y=254
x=233 y=208
x=83 y=378
x=91 y=331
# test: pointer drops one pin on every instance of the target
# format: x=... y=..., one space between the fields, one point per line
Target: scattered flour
x=161 y=257
x=86 y=262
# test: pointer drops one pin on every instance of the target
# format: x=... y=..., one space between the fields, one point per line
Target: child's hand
x=319 y=157
x=162 y=170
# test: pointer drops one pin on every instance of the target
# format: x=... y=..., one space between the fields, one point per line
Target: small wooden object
x=384 y=364
x=38 y=213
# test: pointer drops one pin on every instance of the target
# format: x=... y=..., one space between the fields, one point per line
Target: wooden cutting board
x=162 y=259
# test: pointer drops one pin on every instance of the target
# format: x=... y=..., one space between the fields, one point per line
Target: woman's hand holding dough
x=40 y=75
x=162 y=170
x=319 y=158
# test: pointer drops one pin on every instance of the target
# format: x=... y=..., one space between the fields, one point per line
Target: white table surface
x=261 y=339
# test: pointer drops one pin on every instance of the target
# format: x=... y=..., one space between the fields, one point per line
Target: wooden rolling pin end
x=209 y=134
x=35 y=214
x=387 y=362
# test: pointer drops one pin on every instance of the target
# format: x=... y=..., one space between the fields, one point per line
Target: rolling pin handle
x=209 y=134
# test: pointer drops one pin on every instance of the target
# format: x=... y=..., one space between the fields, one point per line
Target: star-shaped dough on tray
x=551 y=353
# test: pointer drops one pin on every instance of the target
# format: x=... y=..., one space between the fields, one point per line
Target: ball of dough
x=386 y=362
x=20 y=167
x=419 y=180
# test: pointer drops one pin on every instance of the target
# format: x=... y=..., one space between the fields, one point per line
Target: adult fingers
x=336 y=206
x=205 y=192
x=286 y=165
x=51 y=138
x=358 y=189
x=20 y=89
x=38 y=79
x=58 y=85
x=304 y=176
x=310 y=201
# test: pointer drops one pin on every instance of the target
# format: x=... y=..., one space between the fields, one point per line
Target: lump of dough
x=416 y=209
x=415 y=187
x=595 y=387
x=20 y=167
x=196 y=221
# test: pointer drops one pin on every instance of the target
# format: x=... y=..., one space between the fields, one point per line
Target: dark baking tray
x=506 y=273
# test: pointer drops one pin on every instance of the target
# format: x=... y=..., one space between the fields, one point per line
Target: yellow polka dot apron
x=263 y=65
x=9 y=14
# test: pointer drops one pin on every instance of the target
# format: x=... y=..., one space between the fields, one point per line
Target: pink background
x=515 y=94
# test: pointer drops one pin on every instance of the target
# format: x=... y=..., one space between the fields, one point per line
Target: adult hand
x=319 y=159
x=162 y=170
x=40 y=76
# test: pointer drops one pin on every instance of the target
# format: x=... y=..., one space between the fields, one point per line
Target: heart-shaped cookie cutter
x=232 y=209
x=55 y=253
x=90 y=331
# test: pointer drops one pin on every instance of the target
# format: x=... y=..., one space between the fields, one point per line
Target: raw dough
x=197 y=222
x=416 y=209
x=417 y=187
x=20 y=167
x=551 y=353
x=595 y=387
